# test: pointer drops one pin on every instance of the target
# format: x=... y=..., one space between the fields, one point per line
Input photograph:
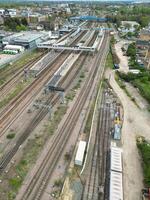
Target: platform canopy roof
x=89 y=18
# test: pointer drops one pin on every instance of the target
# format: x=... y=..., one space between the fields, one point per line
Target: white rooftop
x=116 y=159
x=116 y=190
x=130 y=22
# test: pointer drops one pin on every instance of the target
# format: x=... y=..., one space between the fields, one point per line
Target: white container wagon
x=80 y=153
x=116 y=187
x=116 y=159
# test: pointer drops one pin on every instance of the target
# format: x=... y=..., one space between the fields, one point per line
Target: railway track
x=19 y=104
x=54 y=98
x=95 y=181
x=93 y=39
x=12 y=82
x=37 y=185
x=12 y=71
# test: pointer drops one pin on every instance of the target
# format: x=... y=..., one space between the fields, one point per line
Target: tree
x=128 y=26
x=24 y=21
x=15 y=24
x=131 y=51
x=20 y=28
x=144 y=21
x=16 y=20
x=130 y=34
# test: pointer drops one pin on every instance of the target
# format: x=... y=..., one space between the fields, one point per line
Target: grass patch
x=9 y=70
x=72 y=92
x=89 y=120
x=51 y=127
x=67 y=156
x=15 y=183
x=58 y=183
x=70 y=96
x=11 y=195
x=140 y=81
x=82 y=75
x=144 y=149
x=31 y=151
x=122 y=85
x=78 y=85
x=10 y=135
x=14 y=93
x=109 y=61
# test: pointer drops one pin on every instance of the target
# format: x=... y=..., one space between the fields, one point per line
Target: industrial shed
x=80 y=153
x=28 y=40
x=25 y=39
x=116 y=188
x=116 y=159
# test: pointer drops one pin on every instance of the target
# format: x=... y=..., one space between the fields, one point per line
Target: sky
x=141 y=1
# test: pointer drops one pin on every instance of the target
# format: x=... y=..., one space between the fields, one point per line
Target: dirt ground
x=136 y=122
x=6 y=56
x=140 y=101
x=123 y=59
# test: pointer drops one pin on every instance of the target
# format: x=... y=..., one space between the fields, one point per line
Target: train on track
x=116 y=174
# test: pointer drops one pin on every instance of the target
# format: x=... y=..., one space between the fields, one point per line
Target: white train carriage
x=80 y=153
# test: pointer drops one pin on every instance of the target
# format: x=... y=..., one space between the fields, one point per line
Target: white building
x=128 y=26
x=12 y=12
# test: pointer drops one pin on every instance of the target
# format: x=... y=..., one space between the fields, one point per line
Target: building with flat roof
x=26 y=39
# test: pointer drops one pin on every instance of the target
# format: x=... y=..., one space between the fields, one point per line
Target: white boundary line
x=91 y=130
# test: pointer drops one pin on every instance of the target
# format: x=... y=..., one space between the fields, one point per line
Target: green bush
x=58 y=183
x=140 y=81
x=15 y=183
x=144 y=148
x=11 y=136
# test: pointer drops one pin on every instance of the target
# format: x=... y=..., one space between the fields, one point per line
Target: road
x=136 y=122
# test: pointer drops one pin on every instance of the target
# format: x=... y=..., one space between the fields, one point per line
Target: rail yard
x=67 y=75
x=74 y=100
